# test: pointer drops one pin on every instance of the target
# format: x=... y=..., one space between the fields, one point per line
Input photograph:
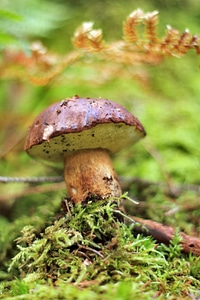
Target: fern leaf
x=151 y=24
x=130 y=26
x=86 y=37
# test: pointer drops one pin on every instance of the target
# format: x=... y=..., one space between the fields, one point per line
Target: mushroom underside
x=110 y=136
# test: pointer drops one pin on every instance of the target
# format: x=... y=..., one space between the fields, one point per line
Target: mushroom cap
x=82 y=123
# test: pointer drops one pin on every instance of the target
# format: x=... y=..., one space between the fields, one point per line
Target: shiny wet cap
x=82 y=123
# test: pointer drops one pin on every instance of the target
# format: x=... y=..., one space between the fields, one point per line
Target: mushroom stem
x=89 y=174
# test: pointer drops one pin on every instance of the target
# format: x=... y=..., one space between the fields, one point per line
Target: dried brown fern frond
x=40 y=67
x=151 y=25
x=131 y=24
x=173 y=43
x=195 y=43
x=148 y=23
x=85 y=37
x=184 y=42
x=141 y=45
x=168 y=41
x=39 y=78
x=178 y=44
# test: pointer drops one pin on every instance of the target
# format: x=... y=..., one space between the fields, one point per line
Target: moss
x=38 y=214
x=89 y=247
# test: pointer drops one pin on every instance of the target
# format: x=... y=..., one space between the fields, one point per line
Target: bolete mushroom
x=83 y=132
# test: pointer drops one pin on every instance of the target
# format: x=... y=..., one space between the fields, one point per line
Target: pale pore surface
x=110 y=136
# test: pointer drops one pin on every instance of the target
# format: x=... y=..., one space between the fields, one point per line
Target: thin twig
x=41 y=179
x=164 y=234
x=91 y=249
x=125 y=182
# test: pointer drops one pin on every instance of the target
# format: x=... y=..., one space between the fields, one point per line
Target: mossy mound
x=91 y=247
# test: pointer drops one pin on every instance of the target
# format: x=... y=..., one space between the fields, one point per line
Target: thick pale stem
x=89 y=174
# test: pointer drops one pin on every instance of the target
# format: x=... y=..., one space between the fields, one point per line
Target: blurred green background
x=165 y=97
x=162 y=171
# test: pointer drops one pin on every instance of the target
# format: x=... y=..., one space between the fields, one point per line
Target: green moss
x=89 y=247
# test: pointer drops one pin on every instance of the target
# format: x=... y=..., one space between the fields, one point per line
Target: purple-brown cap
x=82 y=123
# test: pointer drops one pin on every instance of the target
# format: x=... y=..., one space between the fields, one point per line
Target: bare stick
x=125 y=182
x=42 y=179
x=164 y=234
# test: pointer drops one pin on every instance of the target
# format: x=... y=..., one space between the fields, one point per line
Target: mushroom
x=82 y=133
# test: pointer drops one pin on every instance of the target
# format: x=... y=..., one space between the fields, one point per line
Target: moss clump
x=34 y=211
x=90 y=246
